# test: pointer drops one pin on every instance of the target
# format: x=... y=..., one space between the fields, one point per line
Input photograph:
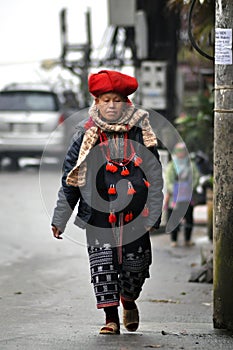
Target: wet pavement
x=46 y=298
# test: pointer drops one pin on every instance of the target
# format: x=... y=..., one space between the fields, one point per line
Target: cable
x=193 y=42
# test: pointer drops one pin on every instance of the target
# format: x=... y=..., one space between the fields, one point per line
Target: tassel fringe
x=129 y=217
x=146 y=183
x=131 y=190
x=124 y=171
x=137 y=161
x=112 y=189
x=111 y=167
x=145 y=212
x=112 y=218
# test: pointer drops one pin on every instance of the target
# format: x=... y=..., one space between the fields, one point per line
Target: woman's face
x=110 y=106
x=181 y=153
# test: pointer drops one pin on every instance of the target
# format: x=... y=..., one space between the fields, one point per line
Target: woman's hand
x=150 y=229
x=56 y=232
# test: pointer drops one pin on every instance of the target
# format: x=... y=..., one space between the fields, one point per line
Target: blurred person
x=205 y=169
x=112 y=170
x=203 y=163
x=181 y=179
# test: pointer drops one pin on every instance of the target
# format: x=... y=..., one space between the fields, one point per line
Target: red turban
x=109 y=80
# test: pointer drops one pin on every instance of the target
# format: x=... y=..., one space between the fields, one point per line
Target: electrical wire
x=193 y=42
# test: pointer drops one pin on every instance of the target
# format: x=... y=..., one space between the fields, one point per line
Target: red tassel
x=112 y=218
x=137 y=161
x=146 y=183
x=111 y=167
x=131 y=190
x=108 y=165
x=112 y=190
x=145 y=212
x=124 y=171
x=129 y=217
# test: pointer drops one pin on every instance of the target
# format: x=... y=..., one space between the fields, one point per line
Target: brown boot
x=130 y=315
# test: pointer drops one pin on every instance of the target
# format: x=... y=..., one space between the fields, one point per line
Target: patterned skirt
x=118 y=266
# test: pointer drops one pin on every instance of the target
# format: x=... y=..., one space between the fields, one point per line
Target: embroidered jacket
x=69 y=195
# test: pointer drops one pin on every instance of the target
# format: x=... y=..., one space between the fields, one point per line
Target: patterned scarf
x=129 y=118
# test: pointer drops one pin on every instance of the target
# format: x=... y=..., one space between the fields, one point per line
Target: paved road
x=46 y=299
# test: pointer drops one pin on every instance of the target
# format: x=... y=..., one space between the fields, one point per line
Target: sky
x=30 y=33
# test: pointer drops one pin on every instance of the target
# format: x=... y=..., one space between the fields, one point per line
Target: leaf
x=164 y=301
x=156 y=346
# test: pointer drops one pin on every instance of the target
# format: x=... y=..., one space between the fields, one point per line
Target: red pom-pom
x=112 y=218
x=111 y=167
x=124 y=171
x=145 y=211
x=107 y=166
x=112 y=190
x=137 y=161
x=131 y=190
x=129 y=217
x=146 y=183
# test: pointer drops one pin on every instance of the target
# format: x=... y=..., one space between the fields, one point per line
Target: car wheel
x=15 y=163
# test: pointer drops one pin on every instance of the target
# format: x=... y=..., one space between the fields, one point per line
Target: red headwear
x=108 y=80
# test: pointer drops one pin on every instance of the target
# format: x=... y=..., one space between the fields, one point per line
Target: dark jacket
x=69 y=196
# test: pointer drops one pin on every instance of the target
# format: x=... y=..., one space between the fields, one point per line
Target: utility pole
x=79 y=67
x=223 y=168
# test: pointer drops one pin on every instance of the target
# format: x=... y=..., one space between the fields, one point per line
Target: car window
x=28 y=101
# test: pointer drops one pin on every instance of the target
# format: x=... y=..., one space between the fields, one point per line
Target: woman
x=181 y=179
x=112 y=169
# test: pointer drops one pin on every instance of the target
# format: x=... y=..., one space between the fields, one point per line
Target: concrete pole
x=223 y=168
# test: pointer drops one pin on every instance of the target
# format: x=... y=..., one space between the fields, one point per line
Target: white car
x=30 y=117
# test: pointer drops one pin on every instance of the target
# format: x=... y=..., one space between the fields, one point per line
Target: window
x=28 y=101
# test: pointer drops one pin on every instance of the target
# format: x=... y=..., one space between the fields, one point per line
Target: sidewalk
x=174 y=313
x=49 y=304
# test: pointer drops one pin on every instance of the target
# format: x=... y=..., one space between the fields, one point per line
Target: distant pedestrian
x=181 y=178
x=112 y=170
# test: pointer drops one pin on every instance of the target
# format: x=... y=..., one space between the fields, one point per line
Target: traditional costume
x=113 y=171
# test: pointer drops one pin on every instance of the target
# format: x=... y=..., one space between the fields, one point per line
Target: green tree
x=202 y=25
x=196 y=121
x=196 y=128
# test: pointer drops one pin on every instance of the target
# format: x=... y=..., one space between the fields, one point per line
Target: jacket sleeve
x=62 y=211
x=155 y=191
x=68 y=196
